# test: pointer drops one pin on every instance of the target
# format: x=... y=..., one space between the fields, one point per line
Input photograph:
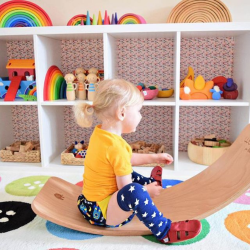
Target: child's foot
x=182 y=230
x=157 y=174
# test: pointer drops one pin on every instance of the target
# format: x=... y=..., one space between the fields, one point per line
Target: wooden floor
x=196 y=198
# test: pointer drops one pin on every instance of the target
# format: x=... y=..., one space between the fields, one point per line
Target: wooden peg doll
x=79 y=70
x=92 y=83
x=81 y=86
x=93 y=71
x=71 y=87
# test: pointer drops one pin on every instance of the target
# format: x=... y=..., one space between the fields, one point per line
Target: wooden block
x=211 y=143
x=29 y=146
x=14 y=149
x=225 y=144
x=22 y=149
x=209 y=136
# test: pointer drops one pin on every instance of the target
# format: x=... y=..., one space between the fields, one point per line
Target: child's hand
x=164 y=158
x=153 y=189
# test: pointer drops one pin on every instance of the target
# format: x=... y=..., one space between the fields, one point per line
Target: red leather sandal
x=181 y=231
x=157 y=174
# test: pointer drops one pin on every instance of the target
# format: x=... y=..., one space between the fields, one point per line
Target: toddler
x=112 y=192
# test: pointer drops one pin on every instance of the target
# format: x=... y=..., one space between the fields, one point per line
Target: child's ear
x=121 y=113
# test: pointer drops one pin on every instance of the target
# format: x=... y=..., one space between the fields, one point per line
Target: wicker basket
x=29 y=156
x=68 y=158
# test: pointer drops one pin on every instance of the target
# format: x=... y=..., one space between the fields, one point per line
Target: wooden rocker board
x=198 y=197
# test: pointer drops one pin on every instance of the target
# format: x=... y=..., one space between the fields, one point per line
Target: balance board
x=196 y=198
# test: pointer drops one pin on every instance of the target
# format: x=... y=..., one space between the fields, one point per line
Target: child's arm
x=140 y=159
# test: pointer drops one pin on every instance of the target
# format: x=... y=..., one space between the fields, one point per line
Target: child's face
x=132 y=118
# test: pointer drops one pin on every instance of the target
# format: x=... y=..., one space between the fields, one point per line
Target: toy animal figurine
x=216 y=93
x=71 y=87
x=79 y=70
x=28 y=97
x=92 y=83
x=93 y=71
x=81 y=86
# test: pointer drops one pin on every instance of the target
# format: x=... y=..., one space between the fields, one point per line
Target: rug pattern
x=227 y=229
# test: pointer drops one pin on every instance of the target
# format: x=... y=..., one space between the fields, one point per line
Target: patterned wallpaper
x=141 y=60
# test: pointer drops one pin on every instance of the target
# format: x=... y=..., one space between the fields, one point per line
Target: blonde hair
x=110 y=95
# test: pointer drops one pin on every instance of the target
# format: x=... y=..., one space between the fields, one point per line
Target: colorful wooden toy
x=71 y=87
x=19 y=13
x=216 y=93
x=81 y=86
x=99 y=21
x=29 y=97
x=92 y=83
x=190 y=75
x=131 y=18
x=199 y=89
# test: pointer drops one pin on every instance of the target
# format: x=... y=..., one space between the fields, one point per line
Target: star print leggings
x=131 y=197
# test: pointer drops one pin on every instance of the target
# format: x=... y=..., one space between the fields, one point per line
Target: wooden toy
x=190 y=75
x=99 y=21
x=29 y=97
x=88 y=19
x=131 y=18
x=206 y=150
x=71 y=87
x=93 y=71
x=113 y=19
x=13 y=88
x=53 y=84
x=20 y=13
x=21 y=151
x=202 y=11
x=106 y=21
x=94 y=22
x=92 y=83
x=18 y=69
x=78 y=20
x=230 y=89
x=80 y=70
x=116 y=18
x=208 y=186
x=198 y=89
x=230 y=85
x=81 y=86
x=220 y=81
x=165 y=93
x=216 y=93
x=143 y=147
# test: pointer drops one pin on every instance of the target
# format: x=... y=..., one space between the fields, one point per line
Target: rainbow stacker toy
x=19 y=13
x=54 y=85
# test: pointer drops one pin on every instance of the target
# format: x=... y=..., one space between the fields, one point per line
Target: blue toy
x=25 y=88
x=216 y=93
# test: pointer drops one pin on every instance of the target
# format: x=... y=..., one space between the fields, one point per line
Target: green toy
x=28 y=97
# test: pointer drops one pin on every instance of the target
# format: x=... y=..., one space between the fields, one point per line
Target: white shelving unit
x=47 y=42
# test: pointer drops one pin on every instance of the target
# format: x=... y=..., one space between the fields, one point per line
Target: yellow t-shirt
x=108 y=156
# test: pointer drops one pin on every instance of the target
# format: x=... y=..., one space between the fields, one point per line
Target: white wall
x=154 y=11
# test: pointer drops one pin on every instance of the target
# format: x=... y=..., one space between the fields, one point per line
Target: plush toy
x=216 y=93
x=78 y=147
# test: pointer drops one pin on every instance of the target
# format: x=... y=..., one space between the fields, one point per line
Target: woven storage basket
x=68 y=158
x=29 y=156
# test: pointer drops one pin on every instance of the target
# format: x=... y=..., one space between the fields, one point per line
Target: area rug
x=21 y=229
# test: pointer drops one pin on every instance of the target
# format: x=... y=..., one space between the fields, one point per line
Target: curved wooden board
x=196 y=198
